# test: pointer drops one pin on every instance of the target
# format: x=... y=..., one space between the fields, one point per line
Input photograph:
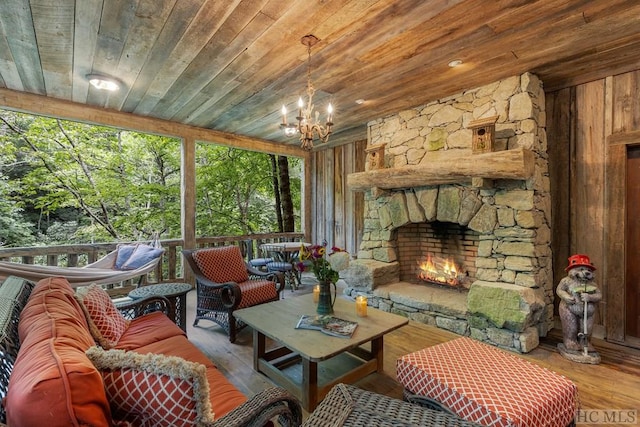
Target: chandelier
x=308 y=126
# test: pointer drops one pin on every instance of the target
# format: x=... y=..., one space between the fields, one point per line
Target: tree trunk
x=288 y=218
x=276 y=191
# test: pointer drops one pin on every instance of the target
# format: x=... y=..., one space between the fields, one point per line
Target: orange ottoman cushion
x=489 y=386
x=53 y=383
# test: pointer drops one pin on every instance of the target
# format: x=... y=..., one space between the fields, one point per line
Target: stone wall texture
x=511 y=302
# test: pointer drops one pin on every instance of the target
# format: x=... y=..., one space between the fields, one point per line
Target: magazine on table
x=328 y=324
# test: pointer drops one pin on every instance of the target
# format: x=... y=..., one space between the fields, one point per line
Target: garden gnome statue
x=579 y=296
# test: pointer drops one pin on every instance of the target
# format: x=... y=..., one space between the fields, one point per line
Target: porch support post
x=306 y=210
x=188 y=208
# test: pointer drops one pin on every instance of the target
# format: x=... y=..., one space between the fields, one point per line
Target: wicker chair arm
x=252 y=271
x=262 y=407
x=426 y=402
x=136 y=308
x=230 y=292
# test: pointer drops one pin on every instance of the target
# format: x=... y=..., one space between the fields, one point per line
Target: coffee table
x=307 y=362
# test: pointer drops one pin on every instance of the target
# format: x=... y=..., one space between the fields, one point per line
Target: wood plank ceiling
x=230 y=65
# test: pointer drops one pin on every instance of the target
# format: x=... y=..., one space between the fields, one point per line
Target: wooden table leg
x=309 y=384
x=259 y=349
x=377 y=351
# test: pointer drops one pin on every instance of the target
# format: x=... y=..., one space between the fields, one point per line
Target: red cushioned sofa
x=53 y=374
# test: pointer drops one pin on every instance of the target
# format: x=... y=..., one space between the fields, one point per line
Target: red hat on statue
x=579 y=260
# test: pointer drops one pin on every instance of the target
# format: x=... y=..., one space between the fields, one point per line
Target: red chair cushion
x=256 y=292
x=222 y=264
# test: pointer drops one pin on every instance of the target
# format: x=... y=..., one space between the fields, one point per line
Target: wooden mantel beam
x=507 y=164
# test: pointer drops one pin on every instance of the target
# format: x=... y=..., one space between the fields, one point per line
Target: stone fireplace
x=489 y=212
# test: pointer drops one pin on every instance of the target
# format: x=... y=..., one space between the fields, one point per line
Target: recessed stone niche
x=510 y=302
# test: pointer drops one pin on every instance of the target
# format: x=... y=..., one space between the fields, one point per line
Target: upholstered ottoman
x=489 y=386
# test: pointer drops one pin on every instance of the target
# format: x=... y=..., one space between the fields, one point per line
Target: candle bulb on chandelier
x=330 y=111
x=284 y=115
x=300 y=105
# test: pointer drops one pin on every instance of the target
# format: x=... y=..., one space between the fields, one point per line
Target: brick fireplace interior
x=438 y=240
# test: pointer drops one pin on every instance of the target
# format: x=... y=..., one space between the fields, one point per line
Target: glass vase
x=327 y=298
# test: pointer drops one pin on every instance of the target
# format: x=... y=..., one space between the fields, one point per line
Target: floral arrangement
x=325 y=267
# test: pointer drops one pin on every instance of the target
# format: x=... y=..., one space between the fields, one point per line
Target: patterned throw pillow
x=153 y=389
x=105 y=321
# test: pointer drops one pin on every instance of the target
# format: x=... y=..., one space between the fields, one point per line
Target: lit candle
x=361 y=306
x=316 y=293
x=284 y=115
x=330 y=111
x=300 y=105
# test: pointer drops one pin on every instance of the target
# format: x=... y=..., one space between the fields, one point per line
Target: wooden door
x=632 y=250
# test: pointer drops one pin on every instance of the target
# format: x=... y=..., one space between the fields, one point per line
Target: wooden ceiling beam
x=51 y=107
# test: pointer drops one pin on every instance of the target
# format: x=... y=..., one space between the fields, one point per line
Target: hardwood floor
x=614 y=384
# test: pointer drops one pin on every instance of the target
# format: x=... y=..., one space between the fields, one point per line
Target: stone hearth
x=510 y=302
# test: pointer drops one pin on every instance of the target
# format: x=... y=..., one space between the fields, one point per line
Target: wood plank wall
x=585 y=127
x=337 y=212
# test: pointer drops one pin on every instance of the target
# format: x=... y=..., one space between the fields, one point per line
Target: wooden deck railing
x=169 y=269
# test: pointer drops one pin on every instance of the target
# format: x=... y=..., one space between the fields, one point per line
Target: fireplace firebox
x=437 y=253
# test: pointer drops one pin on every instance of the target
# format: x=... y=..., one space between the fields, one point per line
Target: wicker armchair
x=225 y=283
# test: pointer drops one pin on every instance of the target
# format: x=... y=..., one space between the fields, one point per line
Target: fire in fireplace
x=437 y=253
x=441 y=271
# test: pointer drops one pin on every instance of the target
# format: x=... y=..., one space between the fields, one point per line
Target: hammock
x=101 y=272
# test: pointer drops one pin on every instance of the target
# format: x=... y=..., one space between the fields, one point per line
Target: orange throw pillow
x=106 y=323
x=153 y=389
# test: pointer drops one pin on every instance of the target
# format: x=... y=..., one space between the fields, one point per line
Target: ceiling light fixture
x=455 y=63
x=308 y=126
x=103 y=82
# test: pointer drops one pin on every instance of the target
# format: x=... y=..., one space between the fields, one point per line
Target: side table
x=176 y=293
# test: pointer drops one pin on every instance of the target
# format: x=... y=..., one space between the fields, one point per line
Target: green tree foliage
x=65 y=182
x=97 y=183
x=235 y=192
x=14 y=227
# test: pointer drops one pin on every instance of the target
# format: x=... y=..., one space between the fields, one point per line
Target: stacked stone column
x=510 y=304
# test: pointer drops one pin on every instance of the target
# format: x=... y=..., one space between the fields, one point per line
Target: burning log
x=439 y=271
